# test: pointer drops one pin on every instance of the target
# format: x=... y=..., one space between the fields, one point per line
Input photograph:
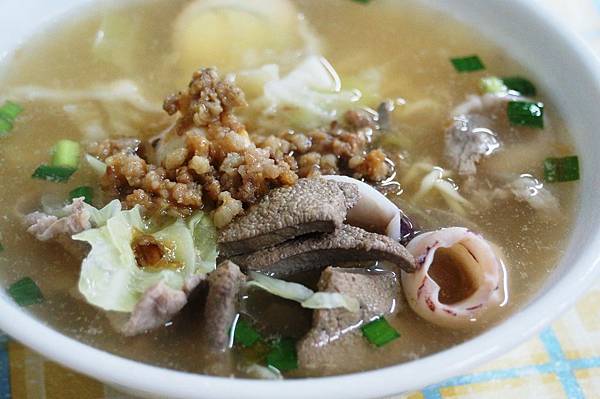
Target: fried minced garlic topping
x=208 y=159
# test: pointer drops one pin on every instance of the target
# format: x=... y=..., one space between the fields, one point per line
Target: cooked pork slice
x=348 y=243
x=60 y=229
x=309 y=206
x=468 y=141
x=222 y=303
x=157 y=306
x=335 y=336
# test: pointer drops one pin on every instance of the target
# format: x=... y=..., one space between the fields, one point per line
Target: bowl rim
x=144 y=378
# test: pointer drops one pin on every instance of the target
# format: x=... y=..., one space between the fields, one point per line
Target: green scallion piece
x=283 y=355
x=362 y=1
x=59 y=174
x=1 y=247
x=244 y=334
x=468 y=64
x=10 y=111
x=84 y=191
x=5 y=126
x=520 y=85
x=561 y=169
x=524 y=113
x=379 y=332
x=66 y=153
x=25 y=292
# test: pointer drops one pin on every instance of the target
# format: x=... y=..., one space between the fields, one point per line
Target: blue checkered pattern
x=558 y=365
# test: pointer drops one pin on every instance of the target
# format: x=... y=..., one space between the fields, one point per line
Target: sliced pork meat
x=46 y=227
x=527 y=188
x=335 y=337
x=309 y=206
x=157 y=306
x=524 y=188
x=479 y=129
x=222 y=303
x=468 y=141
x=346 y=244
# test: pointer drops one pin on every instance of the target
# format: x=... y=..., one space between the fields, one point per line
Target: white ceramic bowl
x=563 y=66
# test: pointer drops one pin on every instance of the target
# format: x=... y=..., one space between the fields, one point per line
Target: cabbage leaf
x=309 y=96
x=331 y=300
x=110 y=275
x=99 y=217
x=303 y=295
x=293 y=291
x=97 y=165
x=204 y=234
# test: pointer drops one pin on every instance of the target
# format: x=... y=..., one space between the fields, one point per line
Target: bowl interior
x=565 y=70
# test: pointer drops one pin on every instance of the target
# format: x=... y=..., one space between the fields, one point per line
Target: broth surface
x=409 y=45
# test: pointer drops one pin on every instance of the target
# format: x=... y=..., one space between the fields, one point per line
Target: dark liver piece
x=309 y=206
x=346 y=244
x=222 y=303
x=335 y=336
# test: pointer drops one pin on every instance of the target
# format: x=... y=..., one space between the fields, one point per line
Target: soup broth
x=402 y=48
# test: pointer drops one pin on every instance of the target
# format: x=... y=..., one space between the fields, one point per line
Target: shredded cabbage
x=119 y=91
x=303 y=295
x=99 y=217
x=97 y=165
x=331 y=300
x=313 y=90
x=311 y=94
x=110 y=276
x=204 y=235
x=293 y=291
x=117 y=107
x=436 y=179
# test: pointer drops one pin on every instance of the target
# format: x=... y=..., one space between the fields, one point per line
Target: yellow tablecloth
x=563 y=362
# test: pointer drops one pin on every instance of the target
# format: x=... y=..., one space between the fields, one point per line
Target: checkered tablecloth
x=562 y=362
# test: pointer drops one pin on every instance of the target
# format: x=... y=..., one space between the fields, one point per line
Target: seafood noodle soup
x=276 y=188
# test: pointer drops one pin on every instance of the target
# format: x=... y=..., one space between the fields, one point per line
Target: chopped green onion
x=5 y=126
x=492 y=84
x=84 y=191
x=379 y=332
x=65 y=159
x=25 y=292
x=521 y=85
x=57 y=174
x=66 y=153
x=1 y=247
x=8 y=113
x=561 y=169
x=362 y=1
x=283 y=355
x=244 y=334
x=256 y=353
x=468 y=64
x=524 y=113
